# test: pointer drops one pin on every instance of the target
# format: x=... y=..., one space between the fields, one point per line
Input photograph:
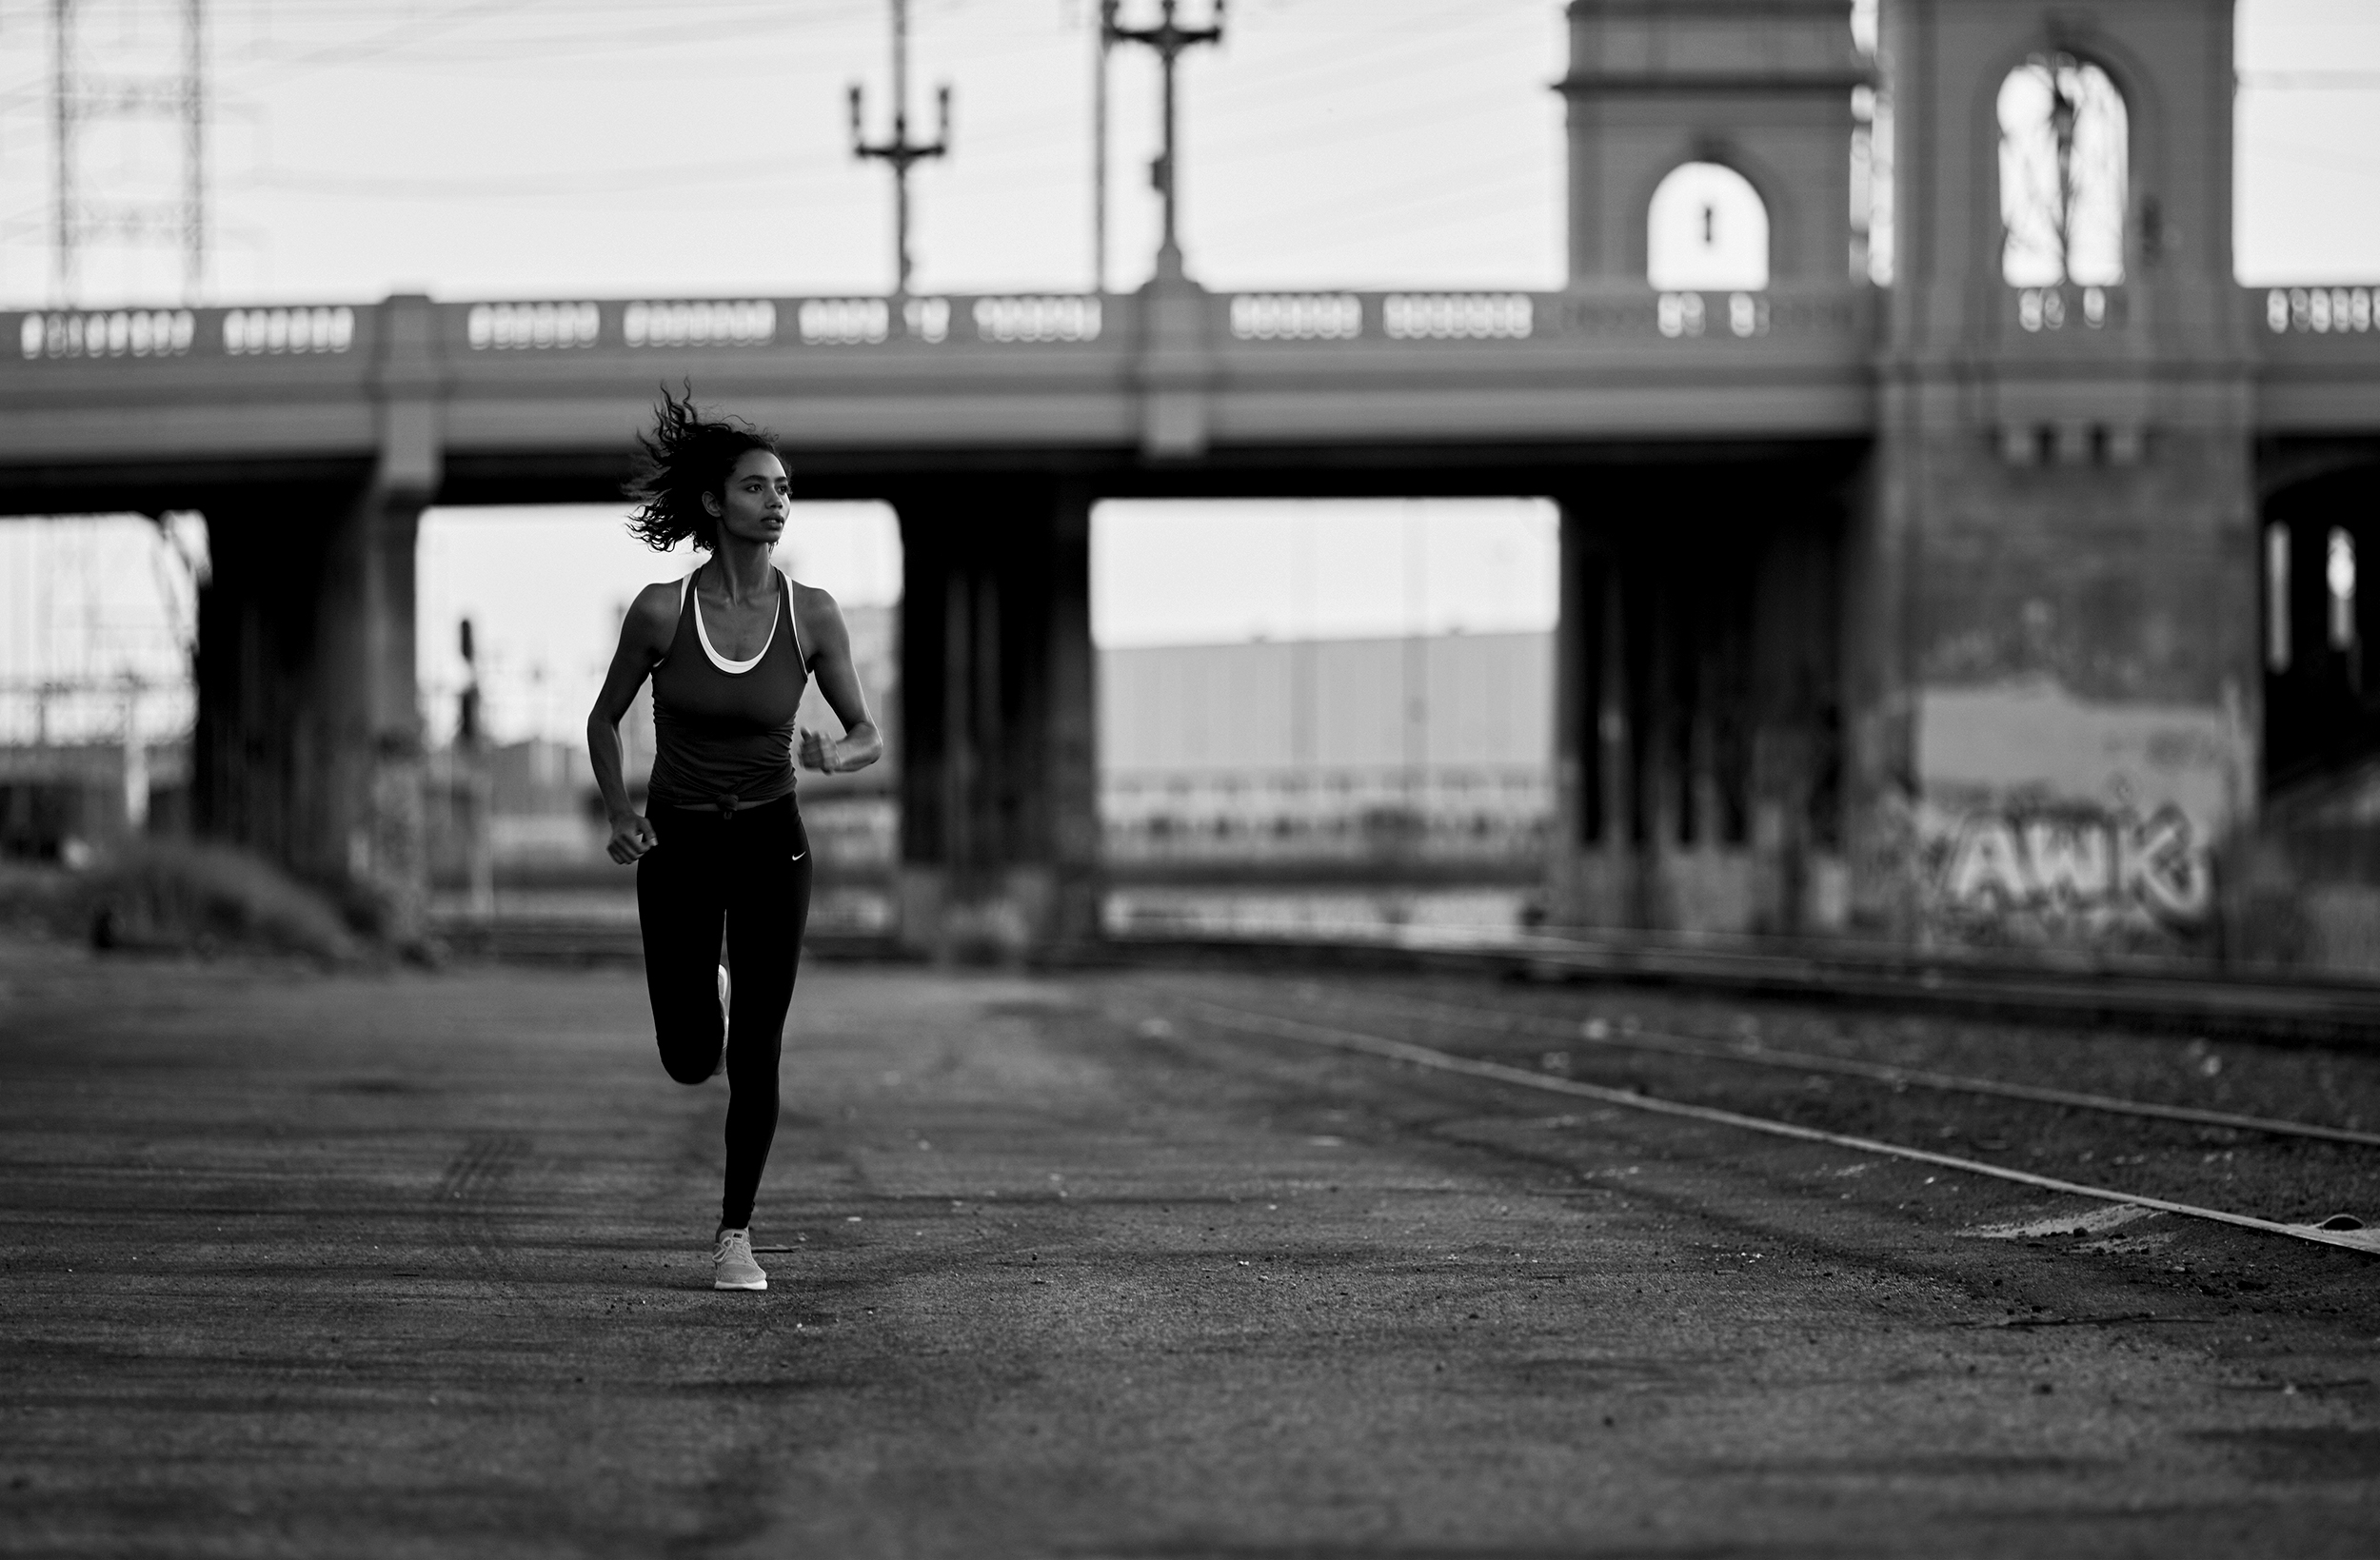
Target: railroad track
x=1599 y=1033
x=2248 y=1005
x=1342 y=1036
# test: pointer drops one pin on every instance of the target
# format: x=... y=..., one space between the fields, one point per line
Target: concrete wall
x=2053 y=640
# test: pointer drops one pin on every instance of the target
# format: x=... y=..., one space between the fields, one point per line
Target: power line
x=2316 y=156
x=578 y=42
x=2344 y=81
x=559 y=182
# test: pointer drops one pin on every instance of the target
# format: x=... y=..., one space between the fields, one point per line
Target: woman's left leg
x=768 y=905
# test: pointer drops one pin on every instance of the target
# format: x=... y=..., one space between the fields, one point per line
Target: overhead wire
x=2319 y=81
x=558 y=183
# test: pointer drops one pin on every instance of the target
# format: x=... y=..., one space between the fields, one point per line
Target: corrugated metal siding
x=1487 y=699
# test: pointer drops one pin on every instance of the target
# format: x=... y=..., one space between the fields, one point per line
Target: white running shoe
x=731 y=1262
x=726 y=989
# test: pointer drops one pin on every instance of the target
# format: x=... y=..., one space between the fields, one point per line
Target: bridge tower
x=1762 y=87
x=2051 y=660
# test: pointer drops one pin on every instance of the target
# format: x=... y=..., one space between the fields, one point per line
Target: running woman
x=729 y=649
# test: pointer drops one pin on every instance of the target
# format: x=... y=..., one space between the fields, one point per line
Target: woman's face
x=751 y=504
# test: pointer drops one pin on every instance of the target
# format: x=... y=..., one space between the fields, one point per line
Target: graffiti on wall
x=2049 y=819
x=2089 y=862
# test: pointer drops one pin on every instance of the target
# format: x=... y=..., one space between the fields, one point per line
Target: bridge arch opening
x=98 y=621
x=1707 y=231
x=2065 y=166
x=1329 y=712
x=511 y=821
x=2321 y=621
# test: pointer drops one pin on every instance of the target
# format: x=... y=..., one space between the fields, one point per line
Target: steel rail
x=1271 y=1025
x=1808 y=1061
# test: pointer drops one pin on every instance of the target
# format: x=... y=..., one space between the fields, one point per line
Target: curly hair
x=685 y=456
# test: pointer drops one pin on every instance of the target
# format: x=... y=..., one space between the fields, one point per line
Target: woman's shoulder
x=815 y=614
x=813 y=604
x=655 y=610
x=810 y=598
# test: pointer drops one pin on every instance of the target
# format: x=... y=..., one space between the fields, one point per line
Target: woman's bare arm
x=643 y=639
x=860 y=743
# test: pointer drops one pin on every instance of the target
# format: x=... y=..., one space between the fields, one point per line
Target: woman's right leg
x=681 y=904
x=769 y=909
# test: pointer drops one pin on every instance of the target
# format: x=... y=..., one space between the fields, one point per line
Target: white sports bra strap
x=795 y=613
x=732 y=669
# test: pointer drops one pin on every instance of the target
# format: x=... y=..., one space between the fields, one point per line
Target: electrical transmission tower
x=80 y=100
x=900 y=152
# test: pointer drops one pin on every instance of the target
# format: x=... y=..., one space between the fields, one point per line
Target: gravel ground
x=2284 y=1179
x=401 y=1263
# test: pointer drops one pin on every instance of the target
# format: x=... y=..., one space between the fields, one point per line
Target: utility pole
x=1098 y=144
x=475 y=788
x=77 y=99
x=66 y=233
x=1170 y=41
x=900 y=152
x=193 y=149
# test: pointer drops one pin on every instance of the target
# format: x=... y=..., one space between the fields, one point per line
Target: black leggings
x=751 y=870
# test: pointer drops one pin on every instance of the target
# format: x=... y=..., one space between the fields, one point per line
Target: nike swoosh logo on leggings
x=797 y=856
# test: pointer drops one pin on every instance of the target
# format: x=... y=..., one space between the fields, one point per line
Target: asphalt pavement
x=416 y=1263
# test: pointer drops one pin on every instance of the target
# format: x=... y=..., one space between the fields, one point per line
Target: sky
x=543 y=149
x=550 y=147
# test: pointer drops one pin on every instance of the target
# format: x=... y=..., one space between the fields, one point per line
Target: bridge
x=1969 y=609
x=869 y=390
x=1233 y=390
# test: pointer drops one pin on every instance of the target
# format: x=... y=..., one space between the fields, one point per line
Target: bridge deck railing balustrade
x=2320 y=352
x=560 y=325
x=957 y=322
x=164 y=334
x=2067 y=311
x=2316 y=311
x=2300 y=323
x=1024 y=368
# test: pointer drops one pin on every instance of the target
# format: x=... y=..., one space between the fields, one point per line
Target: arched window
x=1706 y=231
x=2064 y=158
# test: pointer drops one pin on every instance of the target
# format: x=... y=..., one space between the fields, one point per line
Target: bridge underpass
x=311 y=597
x=1929 y=612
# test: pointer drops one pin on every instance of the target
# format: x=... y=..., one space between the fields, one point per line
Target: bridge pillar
x=2053 y=636
x=1697 y=707
x=309 y=744
x=998 y=779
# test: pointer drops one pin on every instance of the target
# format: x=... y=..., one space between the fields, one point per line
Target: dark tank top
x=723 y=730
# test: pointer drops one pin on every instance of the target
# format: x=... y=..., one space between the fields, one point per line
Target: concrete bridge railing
x=1170 y=372
x=2320 y=353
x=952 y=322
